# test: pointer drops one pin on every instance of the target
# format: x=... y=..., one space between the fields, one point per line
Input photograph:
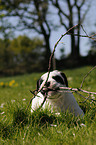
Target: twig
x=31 y=99
x=30 y=102
x=43 y=102
x=86 y=99
x=84 y=30
x=86 y=33
x=50 y=59
x=91 y=36
x=86 y=76
x=80 y=95
x=76 y=90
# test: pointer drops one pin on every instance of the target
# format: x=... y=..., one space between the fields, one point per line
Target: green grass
x=18 y=126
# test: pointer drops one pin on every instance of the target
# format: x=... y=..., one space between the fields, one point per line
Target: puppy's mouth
x=51 y=90
x=46 y=91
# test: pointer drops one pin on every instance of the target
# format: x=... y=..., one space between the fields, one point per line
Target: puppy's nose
x=47 y=84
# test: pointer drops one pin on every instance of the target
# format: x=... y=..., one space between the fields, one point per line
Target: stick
x=86 y=76
x=76 y=90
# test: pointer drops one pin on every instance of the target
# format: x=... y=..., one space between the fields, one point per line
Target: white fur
x=59 y=101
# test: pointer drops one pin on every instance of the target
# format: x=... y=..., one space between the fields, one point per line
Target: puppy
x=56 y=100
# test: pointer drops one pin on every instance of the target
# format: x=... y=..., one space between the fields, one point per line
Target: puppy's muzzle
x=47 y=89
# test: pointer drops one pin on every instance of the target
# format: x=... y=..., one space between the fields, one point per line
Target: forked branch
x=76 y=90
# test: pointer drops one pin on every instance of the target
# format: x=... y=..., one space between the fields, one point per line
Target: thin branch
x=43 y=102
x=87 y=34
x=76 y=90
x=80 y=95
x=91 y=36
x=86 y=76
x=31 y=99
x=86 y=99
x=57 y=44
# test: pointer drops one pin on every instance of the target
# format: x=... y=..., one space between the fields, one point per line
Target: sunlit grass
x=19 y=126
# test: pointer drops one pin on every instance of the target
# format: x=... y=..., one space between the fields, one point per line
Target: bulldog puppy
x=56 y=99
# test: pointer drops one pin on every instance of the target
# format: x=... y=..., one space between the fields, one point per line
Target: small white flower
x=2 y=113
x=12 y=101
x=2 y=105
x=24 y=99
x=82 y=125
x=74 y=134
x=93 y=97
x=53 y=125
x=57 y=114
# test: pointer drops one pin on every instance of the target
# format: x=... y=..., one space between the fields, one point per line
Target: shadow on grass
x=20 y=118
x=6 y=131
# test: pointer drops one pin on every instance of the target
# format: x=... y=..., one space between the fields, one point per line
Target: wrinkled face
x=55 y=80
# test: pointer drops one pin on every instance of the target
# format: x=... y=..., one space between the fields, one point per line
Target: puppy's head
x=55 y=80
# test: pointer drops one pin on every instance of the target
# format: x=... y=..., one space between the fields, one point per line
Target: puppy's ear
x=65 y=79
x=39 y=82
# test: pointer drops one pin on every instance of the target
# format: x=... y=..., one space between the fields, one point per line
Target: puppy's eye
x=58 y=79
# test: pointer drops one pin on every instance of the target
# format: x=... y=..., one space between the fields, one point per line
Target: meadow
x=19 y=126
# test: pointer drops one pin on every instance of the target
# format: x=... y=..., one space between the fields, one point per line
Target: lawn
x=19 y=126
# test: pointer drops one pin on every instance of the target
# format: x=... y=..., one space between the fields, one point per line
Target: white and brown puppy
x=56 y=100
